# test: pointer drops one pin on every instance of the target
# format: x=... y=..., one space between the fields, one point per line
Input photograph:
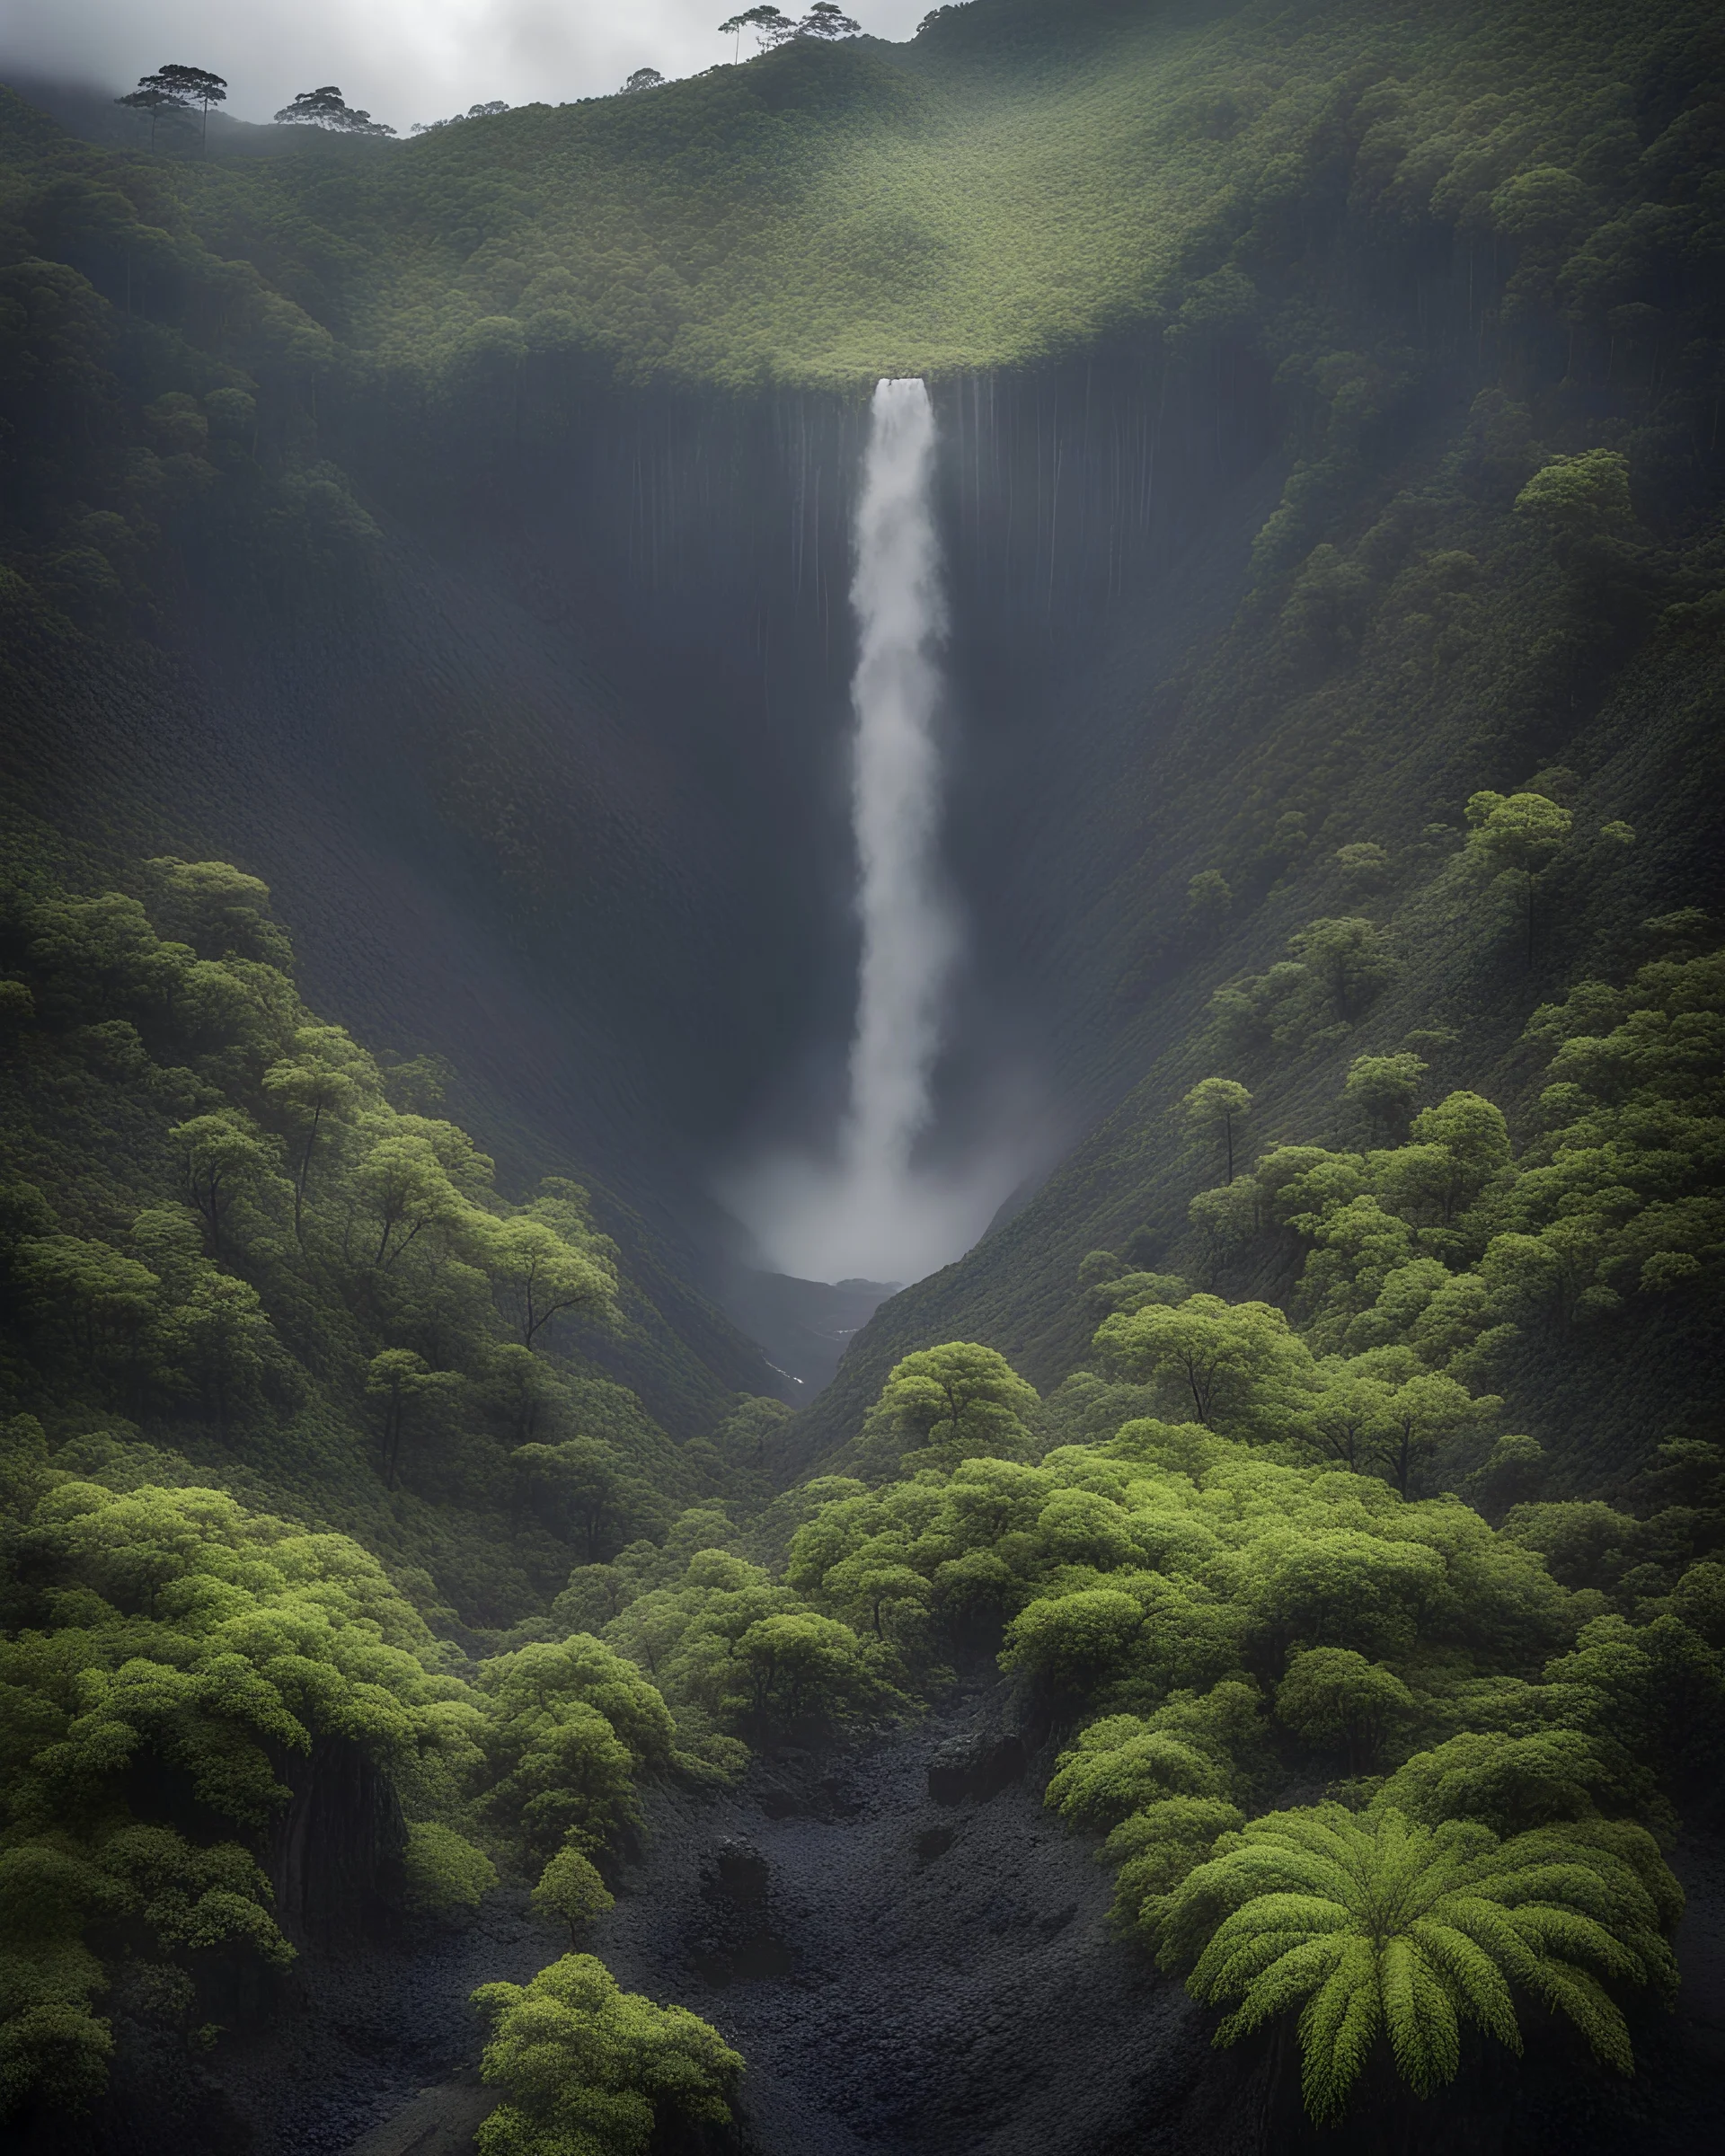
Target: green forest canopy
x=826 y=214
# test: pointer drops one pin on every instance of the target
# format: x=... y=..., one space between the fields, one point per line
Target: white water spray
x=867 y=1212
x=910 y=938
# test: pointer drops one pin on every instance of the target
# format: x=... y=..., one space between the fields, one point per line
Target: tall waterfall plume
x=910 y=933
x=869 y=1209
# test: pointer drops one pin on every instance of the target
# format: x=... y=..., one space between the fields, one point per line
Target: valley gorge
x=860 y=1103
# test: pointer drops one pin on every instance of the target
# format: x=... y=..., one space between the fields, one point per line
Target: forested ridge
x=1317 y=1467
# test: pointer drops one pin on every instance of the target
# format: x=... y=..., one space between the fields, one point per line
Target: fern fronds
x=1376 y=1925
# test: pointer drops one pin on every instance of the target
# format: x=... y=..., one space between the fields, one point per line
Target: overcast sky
x=402 y=60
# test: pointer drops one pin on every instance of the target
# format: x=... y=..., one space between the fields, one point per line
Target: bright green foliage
x=173 y=1627
x=570 y=1888
x=1512 y=1783
x=1381 y=1091
x=570 y=1727
x=1657 y=1688
x=587 y=2070
x=1214 y=1113
x=1580 y=495
x=730 y=227
x=444 y=1870
x=1450 y=1247
x=1335 y=1700
x=230 y=1235
x=942 y=1405
x=218 y=910
x=737 y=1655
x=1071 y=1642
x=1231 y=1361
x=1376 y=1927
x=540 y=1273
x=801 y=1667
x=1128 y=1763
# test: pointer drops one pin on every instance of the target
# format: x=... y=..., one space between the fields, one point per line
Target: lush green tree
x=942 y=1405
x=1421 y=1409
x=325 y=1075
x=801 y=1668
x=561 y=1776
x=1213 y=1113
x=1336 y=1700
x=211 y=1646
x=1350 y=961
x=401 y=1383
x=153 y=97
x=583 y=1486
x=1123 y=1765
x=540 y=1275
x=1208 y=902
x=772 y=26
x=410 y=1190
x=1157 y=1848
x=879 y=1587
x=570 y=1888
x=1580 y=495
x=1657 y=1688
x=584 y=2067
x=1071 y=1642
x=221 y=1336
x=101 y=1300
x=223 y=1161
x=443 y=1870
x=1380 y=1091
x=1232 y=1360
x=216 y=909
x=1363 y=866
x=326 y=108
x=1373 y=1927
x=1518 y=834
x=568 y=1727
x=1344 y=1419
x=1457 y=1147
x=1514 y=1782
x=1227 y=1219
x=536 y=1680
x=194 y=85
x=1339 y=1585
x=826 y=19
x=643 y=78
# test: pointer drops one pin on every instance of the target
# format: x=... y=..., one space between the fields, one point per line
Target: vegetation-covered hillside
x=1010 y=184
x=1317 y=1471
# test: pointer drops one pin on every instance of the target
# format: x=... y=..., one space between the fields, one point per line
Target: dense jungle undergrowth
x=1314 y=1484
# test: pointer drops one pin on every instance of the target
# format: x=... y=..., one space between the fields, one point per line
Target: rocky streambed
x=912 y=1956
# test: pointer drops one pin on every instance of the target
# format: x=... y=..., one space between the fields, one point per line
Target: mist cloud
x=404 y=60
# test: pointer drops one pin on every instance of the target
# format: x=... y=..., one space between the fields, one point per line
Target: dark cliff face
x=336 y=1851
x=558 y=785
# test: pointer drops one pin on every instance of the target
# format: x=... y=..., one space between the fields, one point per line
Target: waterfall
x=869 y=1209
x=910 y=935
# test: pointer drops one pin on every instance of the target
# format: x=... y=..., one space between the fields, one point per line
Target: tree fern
x=1375 y=1926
